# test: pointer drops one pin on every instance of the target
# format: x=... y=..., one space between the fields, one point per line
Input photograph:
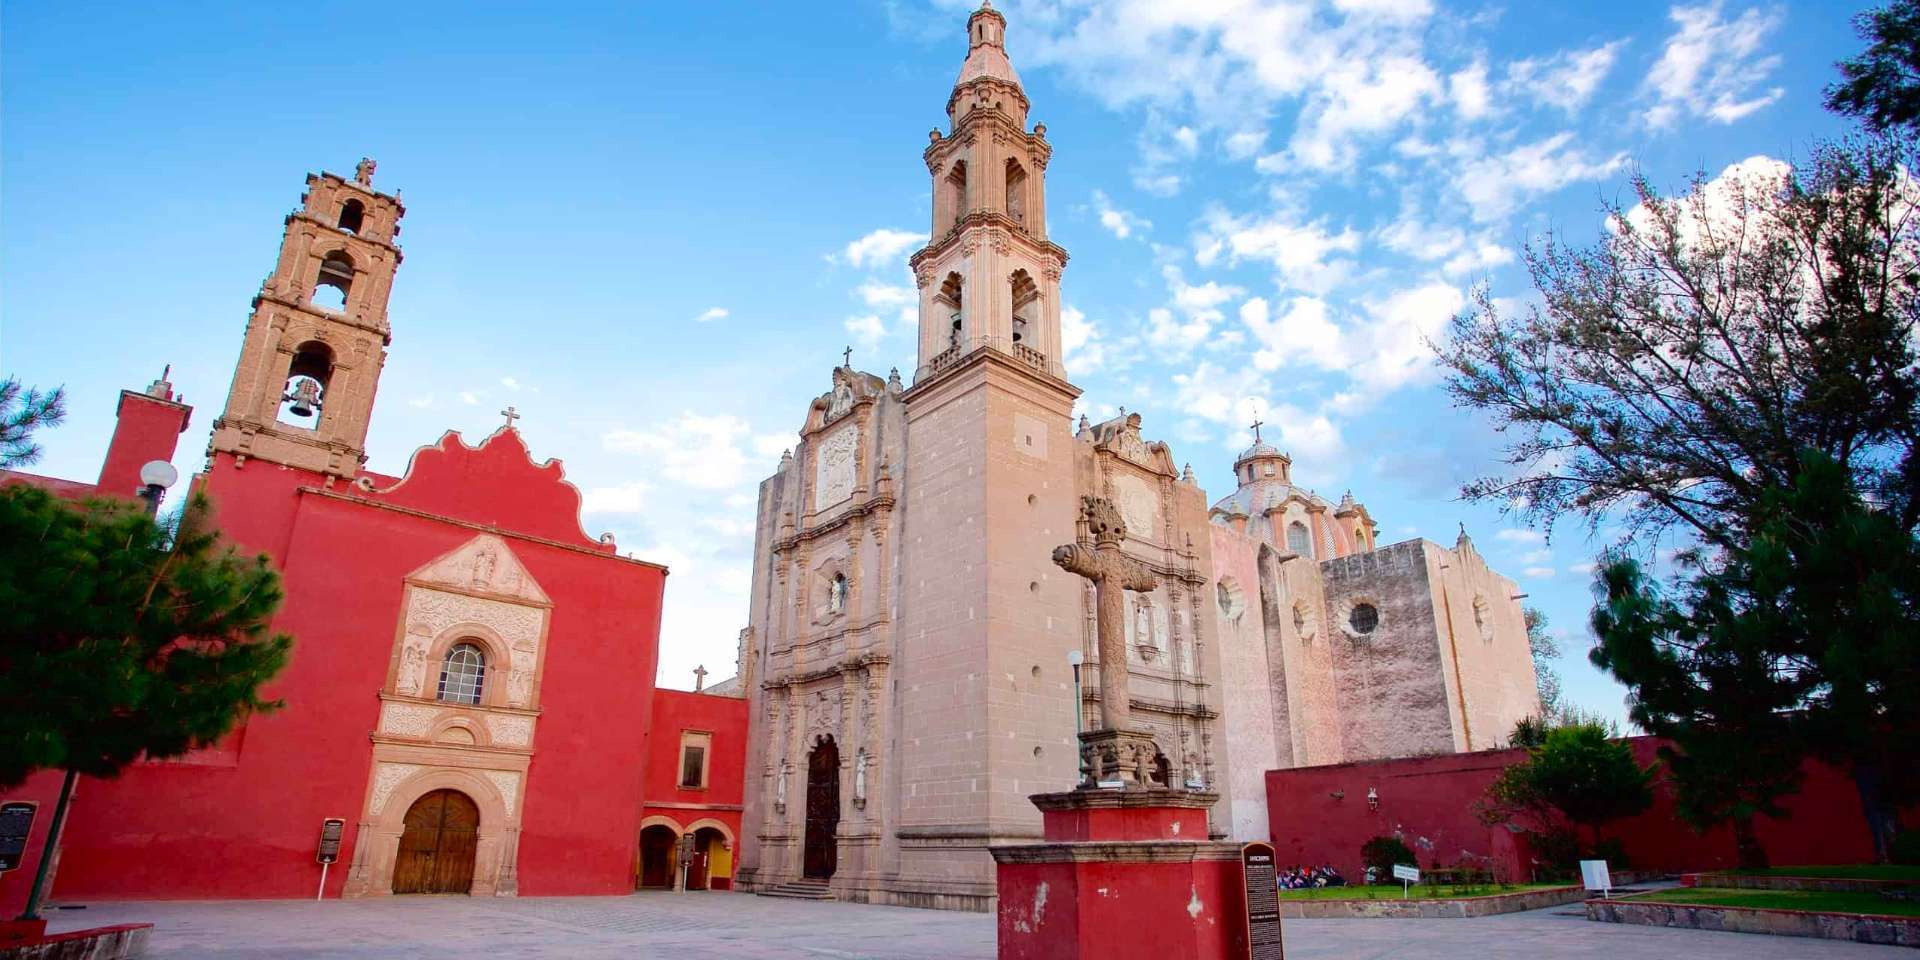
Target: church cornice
x=878 y=505
x=988 y=226
x=938 y=372
x=269 y=294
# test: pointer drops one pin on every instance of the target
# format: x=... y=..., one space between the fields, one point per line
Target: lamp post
x=155 y=477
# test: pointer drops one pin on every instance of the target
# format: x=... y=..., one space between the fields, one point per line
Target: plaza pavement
x=698 y=926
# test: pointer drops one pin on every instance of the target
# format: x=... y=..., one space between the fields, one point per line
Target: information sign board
x=1261 y=875
x=16 y=822
x=1596 y=876
x=1403 y=872
x=331 y=830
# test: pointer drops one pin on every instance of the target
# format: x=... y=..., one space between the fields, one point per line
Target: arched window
x=307 y=380
x=463 y=675
x=951 y=293
x=1299 y=540
x=335 y=280
x=957 y=190
x=352 y=215
x=1026 y=304
x=1016 y=192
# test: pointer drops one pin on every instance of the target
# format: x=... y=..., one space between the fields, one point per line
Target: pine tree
x=23 y=411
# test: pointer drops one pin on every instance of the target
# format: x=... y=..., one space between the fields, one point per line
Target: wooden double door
x=821 y=855
x=437 y=844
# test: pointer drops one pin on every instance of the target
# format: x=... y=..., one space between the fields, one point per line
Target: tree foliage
x=1804 y=638
x=1677 y=368
x=1881 y=86
x=121 y=639
x=23 y=411
x=1545 y=649
x=1577 y=775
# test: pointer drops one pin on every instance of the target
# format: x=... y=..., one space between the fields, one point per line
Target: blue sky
x=652 y=228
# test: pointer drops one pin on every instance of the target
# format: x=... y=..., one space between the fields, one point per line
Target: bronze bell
x=305 y=397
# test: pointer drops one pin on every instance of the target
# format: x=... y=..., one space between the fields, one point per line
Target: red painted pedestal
x=1122 y=874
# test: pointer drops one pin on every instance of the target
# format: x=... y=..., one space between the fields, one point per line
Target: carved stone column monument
x=1125 y=869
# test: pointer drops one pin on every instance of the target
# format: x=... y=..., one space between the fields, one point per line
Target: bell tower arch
x=303 y=390
x=989 y=278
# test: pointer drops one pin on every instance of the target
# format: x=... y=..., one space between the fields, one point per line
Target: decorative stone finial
x=363 y=171
x=1186 y=473
x=893 y=381
x=162 y=388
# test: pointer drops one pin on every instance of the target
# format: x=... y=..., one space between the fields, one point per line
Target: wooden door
x=656 y=857
x=823 y=810
x=437 y=845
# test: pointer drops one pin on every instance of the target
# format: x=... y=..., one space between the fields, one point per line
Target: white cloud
x=1583 y=568
x=1537 y=556
x=1494 y=185
x=711 y=314
x=1305 y=254
x=1520 y=535
x=1194 y=314
x=421 y=402
x=1711 y=67
x=1392 y=348
x=510 y=383
x=1567 y=79
x=867 y=328
x=622 y=498
x=1301 y=334
x=702 y=452
x=1360 y=97
x=1246 y=143
x=880 y=247
x=1118 y=222
x=883 y=295
x=469 y=398
x=1469 y=91
x=1080 y=343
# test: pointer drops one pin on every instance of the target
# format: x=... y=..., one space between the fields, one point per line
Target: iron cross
x=847 y=357
x=1257 y=424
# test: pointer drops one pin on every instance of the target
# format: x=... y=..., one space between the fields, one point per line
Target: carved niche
x=1139 y=503
x=833 y=470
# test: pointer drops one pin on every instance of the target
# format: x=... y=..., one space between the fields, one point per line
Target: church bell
x=305 y=396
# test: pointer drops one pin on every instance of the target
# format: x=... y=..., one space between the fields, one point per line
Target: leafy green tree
x=1675 y=369
x=1577 y=774
x=1804 y=638
x=122 y=639
x=1545 y=649
x=1881 y=86
x=23 y=411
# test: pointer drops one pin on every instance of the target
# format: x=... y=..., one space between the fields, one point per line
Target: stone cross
x=699 y=678
x=846 y=358
x=1112 y=573
x=511 y=414
x=1257 y=424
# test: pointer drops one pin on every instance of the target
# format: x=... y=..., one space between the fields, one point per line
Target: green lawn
x=1785 y=900
x=1857 y=871
x=1419 y=892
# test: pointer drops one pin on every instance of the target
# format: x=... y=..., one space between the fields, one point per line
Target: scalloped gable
x=496 y=484
x=485 y=565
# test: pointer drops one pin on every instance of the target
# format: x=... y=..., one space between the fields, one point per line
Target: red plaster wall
x=146 y=428
x=242 y=820
x=725 y=718
x=1428 y=802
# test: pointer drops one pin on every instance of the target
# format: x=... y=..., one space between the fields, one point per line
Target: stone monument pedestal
x=1122 y=873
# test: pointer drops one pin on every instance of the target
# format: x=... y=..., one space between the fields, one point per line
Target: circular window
x=1364 y=618
x=1233 y=602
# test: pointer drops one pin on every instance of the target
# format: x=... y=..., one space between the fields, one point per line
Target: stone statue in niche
x=413 y=659
x=860 y=777
x=519 y=684
x=780 y=787
x=483 y=567
x=841 y=402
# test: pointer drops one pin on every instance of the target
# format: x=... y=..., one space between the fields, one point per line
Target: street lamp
x=155 y=477
x=1074 y=659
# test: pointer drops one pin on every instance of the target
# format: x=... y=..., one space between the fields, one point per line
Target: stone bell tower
x=986 y=699
x=302 y=394
x=989 y=278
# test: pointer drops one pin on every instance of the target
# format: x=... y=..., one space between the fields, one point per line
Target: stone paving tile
x=708 y=926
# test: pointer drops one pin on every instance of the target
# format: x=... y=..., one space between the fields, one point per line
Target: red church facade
x=471 y=687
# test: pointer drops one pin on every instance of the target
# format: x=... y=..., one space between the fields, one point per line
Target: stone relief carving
x=430 y=612
x=484 y=563
x=1139 y=505
x=840 y=402
x=510 y=730
x=386 y=777
x=406 y=719
x=508 y=783
x=834 y=467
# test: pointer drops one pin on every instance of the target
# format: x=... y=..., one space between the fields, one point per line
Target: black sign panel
x=1263 y=902
x=331 y=830
x=16 y=822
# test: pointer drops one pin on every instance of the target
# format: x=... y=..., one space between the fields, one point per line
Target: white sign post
x=1594 y=874
x=1407 y=876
